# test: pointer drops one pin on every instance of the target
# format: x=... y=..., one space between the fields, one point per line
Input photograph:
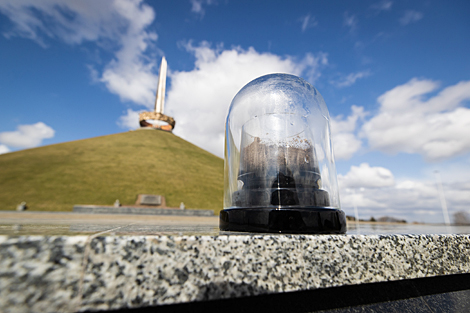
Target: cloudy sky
x=395 y=76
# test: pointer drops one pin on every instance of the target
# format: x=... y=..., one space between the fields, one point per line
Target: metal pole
x=442 y=198
x=356 y=214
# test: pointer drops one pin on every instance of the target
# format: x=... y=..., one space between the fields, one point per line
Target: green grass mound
x=103 y=169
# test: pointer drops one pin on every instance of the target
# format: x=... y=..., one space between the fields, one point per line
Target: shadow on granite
x=437 y=294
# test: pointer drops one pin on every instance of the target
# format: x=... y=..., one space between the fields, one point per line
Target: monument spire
x=157 y=114
x=160 y=96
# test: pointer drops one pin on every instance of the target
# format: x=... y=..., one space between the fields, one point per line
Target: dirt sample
x=279 y=174
x=263 y=159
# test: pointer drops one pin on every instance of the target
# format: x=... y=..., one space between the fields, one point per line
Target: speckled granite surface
x=77 y=273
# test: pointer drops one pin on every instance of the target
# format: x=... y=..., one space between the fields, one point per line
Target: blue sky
x=395 y=76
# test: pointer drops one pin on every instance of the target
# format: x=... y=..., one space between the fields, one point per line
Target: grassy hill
x=103 y=169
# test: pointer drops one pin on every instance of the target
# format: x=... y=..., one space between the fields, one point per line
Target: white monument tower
x=157 y=114
x=160 y=98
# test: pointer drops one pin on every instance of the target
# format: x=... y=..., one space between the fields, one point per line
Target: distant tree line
x=383 y=219
x=461 y=218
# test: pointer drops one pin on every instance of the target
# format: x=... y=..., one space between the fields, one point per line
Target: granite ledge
x=67 y=274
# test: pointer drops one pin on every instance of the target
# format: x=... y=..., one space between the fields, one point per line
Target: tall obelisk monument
x=157 y=114
x=160 y=98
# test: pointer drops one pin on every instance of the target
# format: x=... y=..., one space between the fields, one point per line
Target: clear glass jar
x=280 y=173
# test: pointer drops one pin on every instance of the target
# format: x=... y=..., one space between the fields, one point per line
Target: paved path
x=69 y=223
x=32 y=217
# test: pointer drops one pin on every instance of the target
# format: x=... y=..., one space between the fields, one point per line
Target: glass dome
x=280 y=173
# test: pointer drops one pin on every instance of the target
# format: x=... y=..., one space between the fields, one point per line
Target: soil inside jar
x=285 y=174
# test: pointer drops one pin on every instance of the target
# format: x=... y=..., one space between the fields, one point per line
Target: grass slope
x=103 y=169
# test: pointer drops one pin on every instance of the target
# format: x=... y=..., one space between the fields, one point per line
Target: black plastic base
x=306 y=220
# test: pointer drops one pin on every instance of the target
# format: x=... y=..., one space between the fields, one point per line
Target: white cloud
x=199 y=99
x=382 y=5
x=350 y=21
x=425 y=212
x=455 y=171
x=413 y=200
x=345 y=142
x=350 y=79
x=197 y=6
x=436 y=128
x=340 y=125
x=308 y=21
x=117 y=25
x=410 y=16
x=27 y=136
x=345 y=145
x=130 y=120
x=353 y=198
x=365 y=176
x=408 y=120
x=130 y=75
x=4 y=149
x=70 y=21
